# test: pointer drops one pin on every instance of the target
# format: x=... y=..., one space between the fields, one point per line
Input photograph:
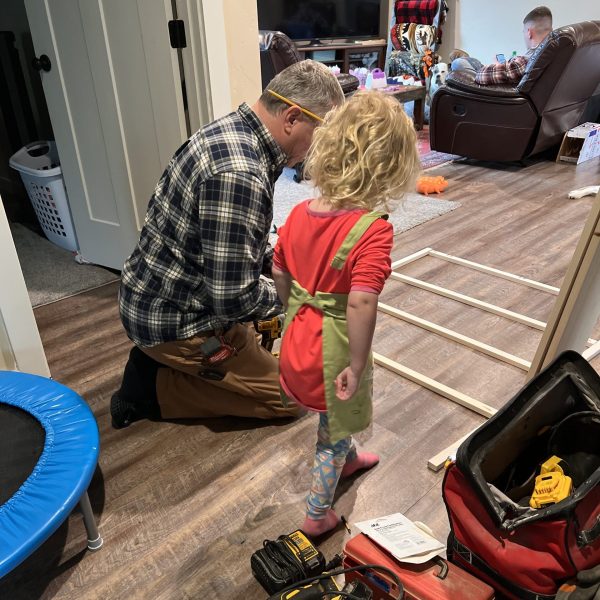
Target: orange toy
x=428 y=61
x=429 y=185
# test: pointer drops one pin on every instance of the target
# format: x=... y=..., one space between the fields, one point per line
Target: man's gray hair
x=308 y=83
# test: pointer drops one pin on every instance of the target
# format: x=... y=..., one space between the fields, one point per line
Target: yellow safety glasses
x=304 y=110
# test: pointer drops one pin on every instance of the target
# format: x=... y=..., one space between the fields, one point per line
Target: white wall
x=484 y=29
x=7 y=357
x=20 y=343
x=241 y=27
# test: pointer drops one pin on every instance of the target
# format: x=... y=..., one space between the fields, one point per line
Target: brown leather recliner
x=508 y=123
x=277 y=51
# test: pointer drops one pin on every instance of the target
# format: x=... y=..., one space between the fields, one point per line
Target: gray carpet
x=414 y=210
x=50 y=272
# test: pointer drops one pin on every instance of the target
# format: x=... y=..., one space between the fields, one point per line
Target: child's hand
x=346 y=384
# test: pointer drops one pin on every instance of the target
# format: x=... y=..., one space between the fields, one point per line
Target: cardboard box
x=580 y=144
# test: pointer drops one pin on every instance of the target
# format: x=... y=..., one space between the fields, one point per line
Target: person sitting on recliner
x=537 y=24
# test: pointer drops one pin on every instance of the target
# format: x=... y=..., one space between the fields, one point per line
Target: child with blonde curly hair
x=331 y=261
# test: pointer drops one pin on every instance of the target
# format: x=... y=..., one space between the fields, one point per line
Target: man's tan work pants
x=249 y=388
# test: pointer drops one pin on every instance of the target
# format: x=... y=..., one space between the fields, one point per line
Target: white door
x=114 y=95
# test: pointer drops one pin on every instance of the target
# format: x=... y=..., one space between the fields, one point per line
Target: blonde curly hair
x=365 y=153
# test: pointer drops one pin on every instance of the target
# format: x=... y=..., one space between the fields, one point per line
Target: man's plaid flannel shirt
x=510 y=71
x=204 y=245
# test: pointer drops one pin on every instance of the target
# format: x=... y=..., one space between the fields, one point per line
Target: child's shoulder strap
x=357 y=231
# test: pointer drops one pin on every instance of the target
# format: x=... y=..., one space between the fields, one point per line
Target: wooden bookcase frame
x=436 y=462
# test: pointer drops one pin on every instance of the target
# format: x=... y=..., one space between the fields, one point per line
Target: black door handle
x=42 y=63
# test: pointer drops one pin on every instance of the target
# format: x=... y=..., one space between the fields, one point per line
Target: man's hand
x=346 y=384
x=283 y=284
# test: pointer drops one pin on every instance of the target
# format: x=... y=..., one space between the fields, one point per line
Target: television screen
x=321 y=19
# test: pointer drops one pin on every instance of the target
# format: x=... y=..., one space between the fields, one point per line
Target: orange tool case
x=433 y=580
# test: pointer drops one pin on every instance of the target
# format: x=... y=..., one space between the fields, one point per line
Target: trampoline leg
x=94 y=539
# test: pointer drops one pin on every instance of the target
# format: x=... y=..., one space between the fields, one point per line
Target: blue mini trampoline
x=49 y=446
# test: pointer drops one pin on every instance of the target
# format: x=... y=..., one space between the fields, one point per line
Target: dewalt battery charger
x=291 y=568
x=286 y=560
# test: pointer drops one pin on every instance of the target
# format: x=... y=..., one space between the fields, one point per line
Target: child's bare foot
x=363 y=460
x=315 y=527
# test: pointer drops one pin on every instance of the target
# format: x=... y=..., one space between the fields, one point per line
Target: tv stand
x=337 y=53
x=329 y=43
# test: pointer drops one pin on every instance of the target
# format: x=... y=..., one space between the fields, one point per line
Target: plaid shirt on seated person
x=510 y=71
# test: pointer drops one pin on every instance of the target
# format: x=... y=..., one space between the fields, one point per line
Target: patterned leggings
x=329 y=461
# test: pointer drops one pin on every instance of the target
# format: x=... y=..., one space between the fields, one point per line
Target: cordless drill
x=270 y=330
x=318 y=590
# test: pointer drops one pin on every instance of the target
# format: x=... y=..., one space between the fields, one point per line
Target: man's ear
x=290 y=117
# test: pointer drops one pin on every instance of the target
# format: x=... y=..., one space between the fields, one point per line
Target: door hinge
x=177 y=33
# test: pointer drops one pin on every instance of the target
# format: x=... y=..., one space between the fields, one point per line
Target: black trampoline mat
x=21 y=443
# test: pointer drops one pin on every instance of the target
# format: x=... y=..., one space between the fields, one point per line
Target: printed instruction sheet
x=405 y=540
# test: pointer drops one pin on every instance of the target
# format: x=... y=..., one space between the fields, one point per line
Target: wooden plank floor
x=183 y=506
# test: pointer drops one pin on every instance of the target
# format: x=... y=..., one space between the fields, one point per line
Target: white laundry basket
x=39 y=166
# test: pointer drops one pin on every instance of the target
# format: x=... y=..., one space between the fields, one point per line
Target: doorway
x=50 y=272
x=110 y=88
x=112 y=100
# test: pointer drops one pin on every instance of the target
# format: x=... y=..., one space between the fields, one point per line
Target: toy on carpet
x=430 y=185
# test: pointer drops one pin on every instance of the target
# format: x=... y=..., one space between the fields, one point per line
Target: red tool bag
x=526 y=553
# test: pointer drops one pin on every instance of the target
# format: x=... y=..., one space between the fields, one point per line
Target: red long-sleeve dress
x=307 y=243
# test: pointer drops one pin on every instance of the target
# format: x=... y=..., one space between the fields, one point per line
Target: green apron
x=354 y=415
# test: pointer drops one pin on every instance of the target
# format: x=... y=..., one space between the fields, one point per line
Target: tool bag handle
x=589 y=536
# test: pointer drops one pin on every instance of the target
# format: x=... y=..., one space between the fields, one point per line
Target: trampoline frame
x=63 y=471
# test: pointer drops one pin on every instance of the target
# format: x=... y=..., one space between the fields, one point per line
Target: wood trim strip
x=511 y=359
x=503 y=312
x=497 y=272
x=411 y=258
x=434 y=386
x=592 y=351
x=435 y=463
